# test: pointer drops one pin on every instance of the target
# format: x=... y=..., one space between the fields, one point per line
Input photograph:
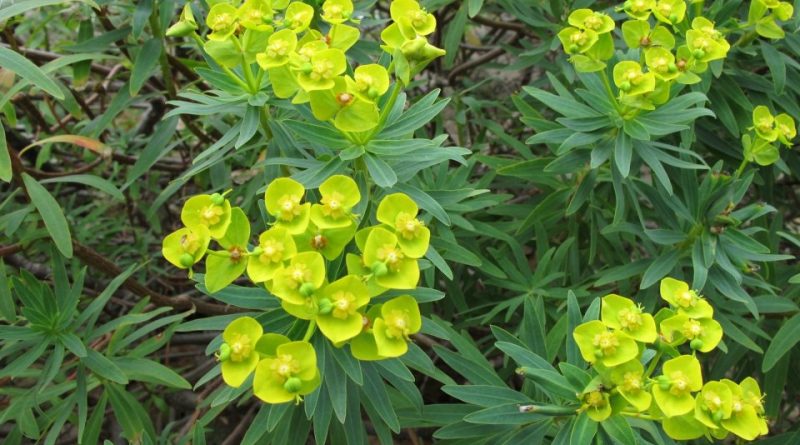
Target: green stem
x=639 y=415
x=607 y=84
x=312 y=326
x=740 y=170
x=248 y=75
x=746 y=38
x=386 y=110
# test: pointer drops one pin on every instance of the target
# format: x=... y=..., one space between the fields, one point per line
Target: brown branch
x=10 y=249
x=180 y=302
x=511 y=26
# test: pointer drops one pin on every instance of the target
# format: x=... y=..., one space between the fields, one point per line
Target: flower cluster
x=306 y=59
x=765 y=14
x=670 y=49
x=766 y=130
x=688 y=408
x=290 y=261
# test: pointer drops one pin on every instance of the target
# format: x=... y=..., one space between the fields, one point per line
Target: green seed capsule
x=625 y=86
x=696 y=344
x=224 y=352
x=673 y=68
x=293 y=384
x=306 y=289
x=325 y=306
x=698 y=54
x=217 y=199
x=187 y=260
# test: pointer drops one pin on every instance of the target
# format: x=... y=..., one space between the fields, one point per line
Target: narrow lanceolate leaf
x=146 y=61
x=17 y=8
x=103 y=367
x=51 y=213
x=783 y=342
x=5 y=158
x=92 y=181
x=12 y=61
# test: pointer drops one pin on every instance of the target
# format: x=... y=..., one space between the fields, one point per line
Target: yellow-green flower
x=745 y=419
x=679 y=296
x=287 y=376
x=764 y=124
x=705 y=42
x=211 y=211
x=577 y=41
x=223 y=267
x=786 y=129
x=339 y=304
x=594 y=21
x=681 y=376
x=391 y=267
x=322 y=70
x=275 y=247
x=661 y=62
x=630 y=79
x=684 y=427
x=623 y=314
x=363 y=346
x=597 y=343
x=339 y=194
x=342 y=105
x=670 y=11
x=298 y=16
x=329 y=242
x=283 y=199
x=356 y=266
x=713 y=404
x=704 y=334
x=369 y=82
x=596 y=405
x=399 y=319
x=411 y=19
x=337 y=11
x=399 y=212
x=238 y=353
x=639 y=9
x=256 y=15
x=185 y=247
x=296 y=282
x=222 y=20
x=280 y=46
x=637 y=33
x=630 y=382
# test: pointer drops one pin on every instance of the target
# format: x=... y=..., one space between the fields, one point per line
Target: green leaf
x=90 y=180
x=5 y=157
x=583 y=431
x=619 y=430
x=660 y=267
x=623 y=153
x=17 y=8
x=783 y=342
x=381 y=172
x=51 y=214
x=776 y=64
x=104 y=367
x=145 y=370
x=24 y=68
x=146 y=61
x=485 y=395
x=508 y=414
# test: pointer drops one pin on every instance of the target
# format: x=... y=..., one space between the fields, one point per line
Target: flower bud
x=293 y=384
x=187 y=260
x=306 y=289
x=181 y=29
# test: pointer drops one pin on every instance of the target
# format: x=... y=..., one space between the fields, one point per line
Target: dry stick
x=180 y=302
x=240 y=428
x=10 y=249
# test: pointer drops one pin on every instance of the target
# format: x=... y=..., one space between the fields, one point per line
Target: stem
x=698 y=7
x=312 y=326
x=746 y=38
x=248 y=75
x=386 y=110
x=639 y=415
x=607 y=84
x=740 y=170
